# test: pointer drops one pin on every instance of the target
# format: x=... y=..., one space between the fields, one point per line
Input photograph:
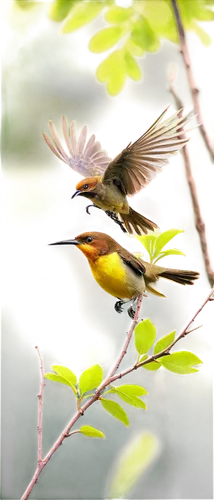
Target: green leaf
x=152 y=366
x=149 y=242
x=82 y=13
x=106 y=38
x=180 y=362
x=204 y=37
x=61 y=380
x=160 y=16
x=134 y=49
x=145 y=333
x=166 y=253
x=59 y=9
x=90 y=379
x=164 y=342
x=132 y=68
x=116 y=410
x=116 y=14
x=113 y=71
x=25 y=4
x=143 y=35
x=164 y=238
x=133 y=462
x=66 y=373
x=129 y=393
x=89 y=431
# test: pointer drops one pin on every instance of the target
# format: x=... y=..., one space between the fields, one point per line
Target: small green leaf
x=89 y=431
x=113 y=71
x=180 y=362
x=59 y=9
x=204 y=37
x=149 y=242
x=132 y=68
x=164 y=238
x=90 y=379
x=82 y=13
x=61 y=380
x=152 y=366
x=116 y=14
x=129 y=393
x=133 y=462
x=116 y=410
x=144 y=36
x=105 y=39
x=166 y=253
x=145 y=333
x=164 y=342
x=66 y=373
x=134 y=49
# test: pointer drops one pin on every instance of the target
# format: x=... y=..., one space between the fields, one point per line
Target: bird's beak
x=64 y=241
x=76 y=194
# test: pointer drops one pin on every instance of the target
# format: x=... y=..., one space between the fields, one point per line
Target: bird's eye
x=89 y=239
x=85 y=186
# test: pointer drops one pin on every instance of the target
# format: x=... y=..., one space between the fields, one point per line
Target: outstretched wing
x=87 y=159
x=139 y=162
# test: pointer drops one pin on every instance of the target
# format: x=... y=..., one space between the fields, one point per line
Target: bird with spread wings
x=107 y=182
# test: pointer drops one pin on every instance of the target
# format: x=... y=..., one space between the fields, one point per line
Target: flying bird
x=108 y=182
x=122 y=274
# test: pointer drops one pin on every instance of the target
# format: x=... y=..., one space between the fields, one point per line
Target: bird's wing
x=139 y=162
x=88 y=159
x=132 y=262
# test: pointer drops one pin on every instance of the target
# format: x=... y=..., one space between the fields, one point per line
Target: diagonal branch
x=193 y=88
x=199 y=223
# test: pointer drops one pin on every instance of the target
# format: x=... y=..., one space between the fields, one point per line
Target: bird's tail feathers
x=137 y=223
x=153 y=290
x=180 y=276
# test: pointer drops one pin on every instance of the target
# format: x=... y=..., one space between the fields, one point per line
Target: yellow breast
x=111 y=275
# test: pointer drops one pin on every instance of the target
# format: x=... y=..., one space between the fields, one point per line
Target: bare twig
x=40 y=402
x=66 y=432
x=193 y=88
x=199 y=223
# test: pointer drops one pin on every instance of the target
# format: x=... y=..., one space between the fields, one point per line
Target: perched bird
x=120 y=273
x=109 y=182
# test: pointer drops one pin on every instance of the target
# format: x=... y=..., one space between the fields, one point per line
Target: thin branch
x=66 y=432
x=199 y=223
x=183 y=333
x=193 y=88
x=109 y=379
x=40 y=395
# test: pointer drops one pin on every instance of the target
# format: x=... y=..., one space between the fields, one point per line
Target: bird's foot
x=114 y=217
x=118 y=306
x=131 y=311
x=89 y=207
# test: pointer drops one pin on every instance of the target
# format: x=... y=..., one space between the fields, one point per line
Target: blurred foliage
x=155 y=242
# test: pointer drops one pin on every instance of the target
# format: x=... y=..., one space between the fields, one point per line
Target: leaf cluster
x=154 y=244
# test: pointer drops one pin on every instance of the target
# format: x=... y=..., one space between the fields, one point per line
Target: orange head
x=86 y=187
x=93 y=244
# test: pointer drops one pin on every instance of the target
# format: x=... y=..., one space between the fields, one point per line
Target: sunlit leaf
x=204 y=37
x=61 y=380
x=90 y=379
x=134 y=49
x=152 y=366
x=164 y=342
x=82 y=13
x=113 y=71
x=116 y=410
x=149 y=242
x=145 y=333
x=164 y=238
x=66 y=373
x=132 y=68
x=25 y=4
x=143 y=35
x=59 y=9
x=130 y=394
x=181 y=362
x=116 y=14
x=160 y=16
x=166 y=253
x=89 y=431
x=106 y=38
x=133 y=462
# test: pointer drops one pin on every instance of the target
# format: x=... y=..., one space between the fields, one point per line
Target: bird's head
x=93 y=244
x=87 y=187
